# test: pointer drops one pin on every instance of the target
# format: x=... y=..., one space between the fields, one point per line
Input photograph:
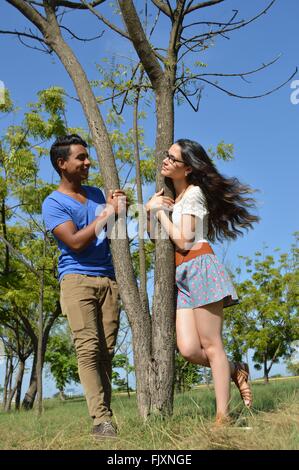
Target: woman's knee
x=189 y=352
x=212 y=347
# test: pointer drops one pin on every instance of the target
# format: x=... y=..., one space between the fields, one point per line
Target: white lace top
x=193 y=202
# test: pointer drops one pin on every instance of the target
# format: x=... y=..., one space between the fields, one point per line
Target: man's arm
x=78 y=240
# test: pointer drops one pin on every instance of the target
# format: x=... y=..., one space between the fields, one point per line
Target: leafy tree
x=266 y=320
x=186 y=374
x=293 y=361
x=27 y=283
x=61 y=357
x=121 y=361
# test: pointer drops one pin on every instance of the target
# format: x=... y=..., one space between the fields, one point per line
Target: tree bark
x=266 y=372
x=39 y=364
x=10 y=390
x=19 y=381
x=30 y=395
x=6 y=380
x=163 y=313
x=141 y=244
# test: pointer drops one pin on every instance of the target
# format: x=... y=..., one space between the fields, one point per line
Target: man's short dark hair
x=61 y=148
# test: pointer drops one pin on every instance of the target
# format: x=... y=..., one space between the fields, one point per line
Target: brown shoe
x=104 y=430
x=240 y=377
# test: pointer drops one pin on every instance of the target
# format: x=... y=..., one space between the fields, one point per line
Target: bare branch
x=30 y=36
x=163 y=7
x=240 y=74
x=209 y=23
x=45 y=50
x=195 y=108
x=30 y=13
x=19 y=33
x=105 y=21
x=238 y=26
x=228 y=23
x=250 y=97
x=81 y=39
x=202 y=5
x=75 y=5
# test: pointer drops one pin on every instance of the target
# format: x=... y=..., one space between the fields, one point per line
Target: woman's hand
x=159 y=202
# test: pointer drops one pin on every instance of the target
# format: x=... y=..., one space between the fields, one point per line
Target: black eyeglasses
x=171 y=158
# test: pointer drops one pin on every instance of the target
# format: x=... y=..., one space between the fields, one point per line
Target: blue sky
x=264 y=131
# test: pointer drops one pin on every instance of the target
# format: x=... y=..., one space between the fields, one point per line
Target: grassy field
x=271 y=424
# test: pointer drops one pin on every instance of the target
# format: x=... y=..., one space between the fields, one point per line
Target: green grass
x=271 y=424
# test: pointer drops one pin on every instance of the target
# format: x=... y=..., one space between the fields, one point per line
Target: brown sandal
x=240 y=377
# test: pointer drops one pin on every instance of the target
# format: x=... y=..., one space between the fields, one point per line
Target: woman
x=207 y=206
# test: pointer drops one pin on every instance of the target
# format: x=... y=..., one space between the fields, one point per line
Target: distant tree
x=293 y=361
x=266 y=320
x=186 y=374
x=61 y=357
x=121 y=361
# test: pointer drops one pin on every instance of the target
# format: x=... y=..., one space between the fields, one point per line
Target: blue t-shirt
x=96 y=259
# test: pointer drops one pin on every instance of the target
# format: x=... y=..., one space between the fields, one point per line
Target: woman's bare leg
x=188 y=341
x=209 y=321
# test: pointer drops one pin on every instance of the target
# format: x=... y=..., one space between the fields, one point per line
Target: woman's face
x=173 y=166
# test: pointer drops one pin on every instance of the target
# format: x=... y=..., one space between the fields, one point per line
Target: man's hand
x=118 y=200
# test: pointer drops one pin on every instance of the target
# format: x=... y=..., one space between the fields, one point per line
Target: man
x=88 y=290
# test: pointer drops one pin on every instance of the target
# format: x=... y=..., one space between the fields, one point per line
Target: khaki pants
x=92 y=308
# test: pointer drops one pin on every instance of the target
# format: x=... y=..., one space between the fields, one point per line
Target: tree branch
x=26 y=35
x=30 y=13
x=240 y=74
x=202 y=5
x=238 y=26
x=162 y=7
x=19 y=255
x=249 y=97
x=195 y=108
x=143 y=47
x=75 y=5
x=81 y=39
x=105 y=21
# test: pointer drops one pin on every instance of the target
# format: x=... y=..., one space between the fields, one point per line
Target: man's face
x=77 y=165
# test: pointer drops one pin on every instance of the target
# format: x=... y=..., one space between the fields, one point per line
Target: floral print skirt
x=204 y=280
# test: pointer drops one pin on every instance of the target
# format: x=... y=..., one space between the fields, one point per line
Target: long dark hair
x=226 y=197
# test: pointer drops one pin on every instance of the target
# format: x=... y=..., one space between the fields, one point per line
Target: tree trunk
x=8 y=371
x=141 y=244
x=266 y=372
x=39 y=363
x=19 y=381
x=11 y=390
x=29 y=397
x=163 y=315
